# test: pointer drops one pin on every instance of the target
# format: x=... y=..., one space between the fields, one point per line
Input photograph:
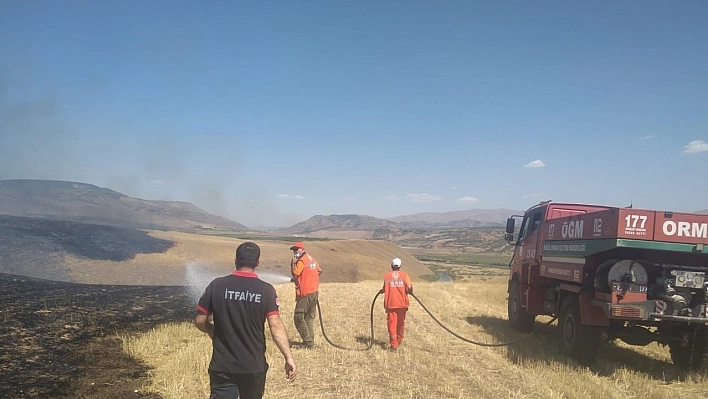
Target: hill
x=41 y=247
x=343 y=226
x=466 y=238
x=369 y=226
x=80 y=202
x=703 y=211
x=456 y=219
x=100 y=254
x=86 y=203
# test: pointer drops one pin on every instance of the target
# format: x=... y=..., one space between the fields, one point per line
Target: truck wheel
x=689 y=352
x=576 y=340
x=519 y=319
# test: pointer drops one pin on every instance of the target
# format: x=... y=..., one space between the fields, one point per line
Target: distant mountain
x=487 y=238
x=703 y=211
x=79 y=202
x=455 y=219
x=342 y=226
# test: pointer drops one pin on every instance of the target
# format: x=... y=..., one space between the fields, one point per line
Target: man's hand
x=293 y=280
x=381 y=291
x=201 y=321
x=280 y=337
x=290 y=369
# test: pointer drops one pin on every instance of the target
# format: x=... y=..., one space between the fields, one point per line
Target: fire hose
x=371 y=319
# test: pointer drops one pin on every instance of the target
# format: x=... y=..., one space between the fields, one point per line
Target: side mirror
x=510 y=224
x=509 y=237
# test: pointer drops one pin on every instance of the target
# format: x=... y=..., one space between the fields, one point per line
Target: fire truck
x=612 y=273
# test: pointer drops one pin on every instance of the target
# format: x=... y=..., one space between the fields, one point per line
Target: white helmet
x=395 y=262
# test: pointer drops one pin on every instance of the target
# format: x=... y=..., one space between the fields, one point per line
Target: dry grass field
x=132 y=338
x=431 y=363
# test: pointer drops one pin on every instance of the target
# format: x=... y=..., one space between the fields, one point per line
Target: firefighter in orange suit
x=306 y=276
x=397 y=285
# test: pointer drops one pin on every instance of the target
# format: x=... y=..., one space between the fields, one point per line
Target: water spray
x=197 y=277
x=272 y=278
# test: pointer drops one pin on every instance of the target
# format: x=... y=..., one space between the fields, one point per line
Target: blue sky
x=271 y=112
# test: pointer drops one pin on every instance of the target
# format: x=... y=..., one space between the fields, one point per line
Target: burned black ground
x=35 y=247
x=60 y=340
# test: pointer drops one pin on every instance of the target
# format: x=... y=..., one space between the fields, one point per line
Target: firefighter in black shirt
x=240 y=304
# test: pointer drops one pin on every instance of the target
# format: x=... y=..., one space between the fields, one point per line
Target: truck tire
x=689 y=352
x=519 y=319
x=576 y=340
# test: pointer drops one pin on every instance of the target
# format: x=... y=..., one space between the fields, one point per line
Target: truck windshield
x=530 y=224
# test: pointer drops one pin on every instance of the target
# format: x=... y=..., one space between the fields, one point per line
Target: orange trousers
x=396 y=319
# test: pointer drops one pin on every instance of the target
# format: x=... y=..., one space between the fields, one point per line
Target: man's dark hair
x=247 y=255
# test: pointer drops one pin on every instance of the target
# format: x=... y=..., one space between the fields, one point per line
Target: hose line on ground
x=469 y=340
x=371 y=320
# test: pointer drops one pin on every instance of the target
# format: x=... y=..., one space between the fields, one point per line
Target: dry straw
x=430 y=363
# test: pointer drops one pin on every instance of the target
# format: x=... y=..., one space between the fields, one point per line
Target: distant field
x=267 y=237
x=477 y=259
x=462 y=266
x=474 y=239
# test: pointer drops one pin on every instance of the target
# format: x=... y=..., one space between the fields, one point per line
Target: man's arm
x=297 y=268
x=201 y=321
x=280 y=337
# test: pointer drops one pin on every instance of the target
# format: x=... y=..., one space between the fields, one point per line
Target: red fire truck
x=612 y=273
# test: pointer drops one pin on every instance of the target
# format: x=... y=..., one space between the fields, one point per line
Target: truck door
x=528 y=243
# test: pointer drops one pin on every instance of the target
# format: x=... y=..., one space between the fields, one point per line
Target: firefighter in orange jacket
x=306 y=276
x=397 y=285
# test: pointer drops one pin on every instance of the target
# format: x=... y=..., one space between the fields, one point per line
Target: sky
x=270 y=112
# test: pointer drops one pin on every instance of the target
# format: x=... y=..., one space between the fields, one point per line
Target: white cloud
x=467 y=199
x=695 y=147
x=288 y=196
x=390 y=198
x=157 y=181
x=535 y=164
x=647 y=137
x=423 y=198
x=454 y=187
x=533 y=195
